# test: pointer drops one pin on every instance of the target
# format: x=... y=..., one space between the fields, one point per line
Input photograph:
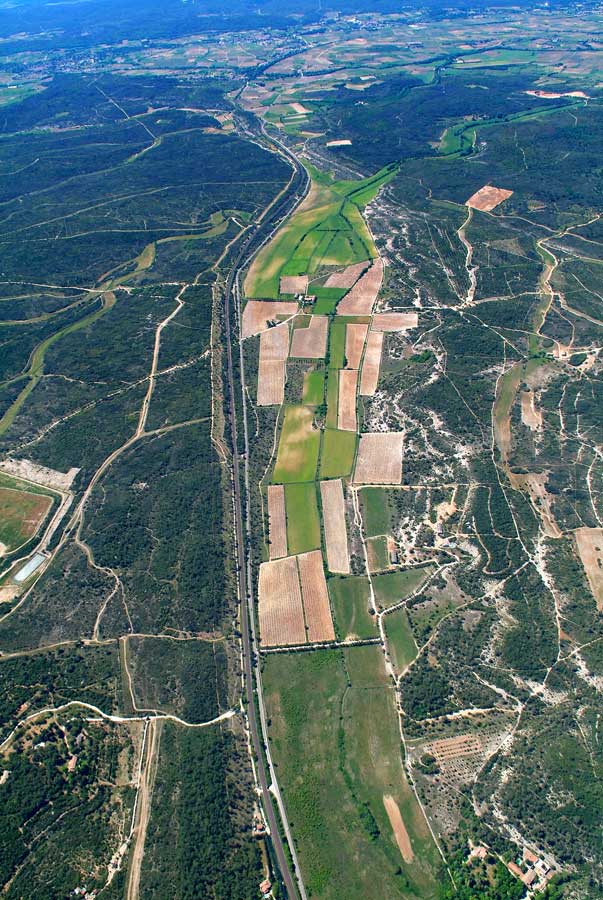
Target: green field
x=337 y=452
x=332 y=397
x=401 y=643
x=303 y=521
x=298 y=448
x=392 y=587
x=378 y=554
x=314 y=388
x=337 y=752
x=375 y=511
x=327 y=230
x=337 y=345
x=326 y=299
x=350 y=602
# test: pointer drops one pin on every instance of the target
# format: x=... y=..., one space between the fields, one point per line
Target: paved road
x=251 y=243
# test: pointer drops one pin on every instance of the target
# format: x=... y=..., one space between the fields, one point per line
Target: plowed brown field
x=271 y=382
x=359 y=301
x=280 y=604
x=315 y=597
x=348 y=277
x=355 y=335
x=371 y=363
x=379 y=459
x=394 y=321
x=311 y=342
x=333 y=515
x=487 y=198
x=293 y=284
x=277 y=521
x=258 y=313
x=346 y=401
x=274 y=348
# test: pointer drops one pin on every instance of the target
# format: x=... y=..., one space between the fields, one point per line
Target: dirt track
x=400 y=832
x=142 y=811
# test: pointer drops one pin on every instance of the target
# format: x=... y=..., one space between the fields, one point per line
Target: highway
x=253 y=690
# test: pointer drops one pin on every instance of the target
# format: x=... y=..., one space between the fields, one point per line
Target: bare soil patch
x=343 y=142
x=277 y=527
x=355 y=336
x=359 y=301
x=258 y=313
x=487 y=198
x=315 y=597
x=590 y=548
x=530 y=416
x=379 y=459
x=393 y=321
x=293 y=284
x=299 y=108
x=336 y=538
x=346 y=401
x=311 y=342
x=371 y=363
x=400 y=833
x=349 y=276
x=281 y=612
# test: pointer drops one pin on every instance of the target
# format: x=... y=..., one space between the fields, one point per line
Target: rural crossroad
x=259 y=739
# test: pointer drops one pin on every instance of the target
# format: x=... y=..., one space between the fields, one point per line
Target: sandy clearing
x=355 y=335
x=551 y=95
x=590 y=548
x=8 y=592
x=271 y=382
x=359 y=301
x=293 y=284
x=530 y=416
x=311 y=342
x=30 y=471
x=315 y=597
x=281 y=612
x=258 y=313
x=379 y=459
x=299 y=108
x=333 y=515
x=343 y=142
x=277 y=521
x=346 y=401
x=349 y=276
x=371 y=363
x=400 y=833
x=392 y=321
x=487 y=198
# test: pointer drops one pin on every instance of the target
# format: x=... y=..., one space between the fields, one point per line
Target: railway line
x=253 y=689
